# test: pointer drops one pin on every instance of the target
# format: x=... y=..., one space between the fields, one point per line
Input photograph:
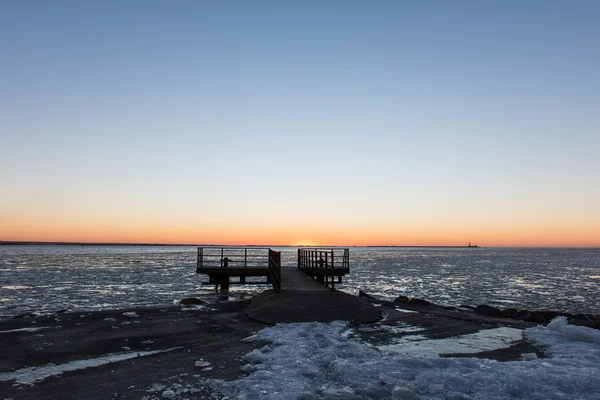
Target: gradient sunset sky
x=301 y=122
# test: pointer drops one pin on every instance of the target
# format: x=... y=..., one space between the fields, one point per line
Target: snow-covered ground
x=321 y=361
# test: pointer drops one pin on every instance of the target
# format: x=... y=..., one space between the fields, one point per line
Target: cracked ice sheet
x=484 y=340
x=315 y=360
x=31 y=375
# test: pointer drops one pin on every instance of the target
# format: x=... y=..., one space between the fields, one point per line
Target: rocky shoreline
x=181 y=349
x=536 y=316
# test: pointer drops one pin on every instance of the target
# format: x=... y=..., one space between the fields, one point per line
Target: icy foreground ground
x=319 y=361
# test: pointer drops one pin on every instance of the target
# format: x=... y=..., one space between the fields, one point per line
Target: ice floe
x=484 y=340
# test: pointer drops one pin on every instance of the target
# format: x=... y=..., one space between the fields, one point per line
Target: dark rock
x=510 y=312
x=191 y=300
x=401 y=299
x=583 y=320
x=490 y=311
x=365 y=295
x=537 y=316
x=549 y=315
x=419 y=302
x=26 y=315
x=451 y=308
x=523 y=315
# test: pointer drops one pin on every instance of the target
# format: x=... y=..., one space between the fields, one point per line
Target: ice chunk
x=131 y=314
x=157 y=387
x=582 y=333
x=403 y=390
x=557 y=323
x=388 y=379
x=168 y=394
x=255 y=357
x=367 y=329
x=248 y=368
x=344 y=393
x=202 y=363
x=529 y=356
x=250 y=339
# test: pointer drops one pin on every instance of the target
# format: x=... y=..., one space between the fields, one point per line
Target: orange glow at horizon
x=340 y=234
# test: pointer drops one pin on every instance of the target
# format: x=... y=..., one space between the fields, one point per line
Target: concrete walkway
x=303 y=299
x=294 y=280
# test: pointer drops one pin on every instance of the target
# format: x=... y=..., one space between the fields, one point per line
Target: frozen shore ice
x=316 y=360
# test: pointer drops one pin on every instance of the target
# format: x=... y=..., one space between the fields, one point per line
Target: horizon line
x=24 y=243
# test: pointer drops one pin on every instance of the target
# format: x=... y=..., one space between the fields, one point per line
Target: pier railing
x=221 y=263
x=233 y=257
x=275 y=269
x=325 y=264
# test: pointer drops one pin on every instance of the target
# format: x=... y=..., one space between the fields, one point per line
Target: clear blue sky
x=395 y=120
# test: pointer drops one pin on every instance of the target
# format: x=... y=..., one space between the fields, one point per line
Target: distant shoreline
x=25 y=243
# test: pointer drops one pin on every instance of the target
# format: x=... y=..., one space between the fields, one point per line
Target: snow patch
x=32 y=375
x=316 y=360
x=39 y=328
x=131 y=314
x=203 y=364
x=404 y=310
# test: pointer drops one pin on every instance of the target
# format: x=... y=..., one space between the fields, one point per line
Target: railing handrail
x=235 y=247
x=275 y=269
x=241 y=257
x=229 y=256
x=310 y=258
x=323 y=262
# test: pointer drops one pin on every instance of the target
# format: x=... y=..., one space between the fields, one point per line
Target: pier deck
x=294 y=280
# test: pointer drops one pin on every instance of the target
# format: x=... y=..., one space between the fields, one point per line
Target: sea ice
x=484 y=340
x=315 y=360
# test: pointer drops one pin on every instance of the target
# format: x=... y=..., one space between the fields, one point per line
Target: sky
x=307 y=122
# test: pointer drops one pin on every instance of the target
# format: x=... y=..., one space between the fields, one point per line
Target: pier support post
x=225 y=284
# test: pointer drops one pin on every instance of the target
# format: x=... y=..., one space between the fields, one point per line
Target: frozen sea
x=46 y=278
